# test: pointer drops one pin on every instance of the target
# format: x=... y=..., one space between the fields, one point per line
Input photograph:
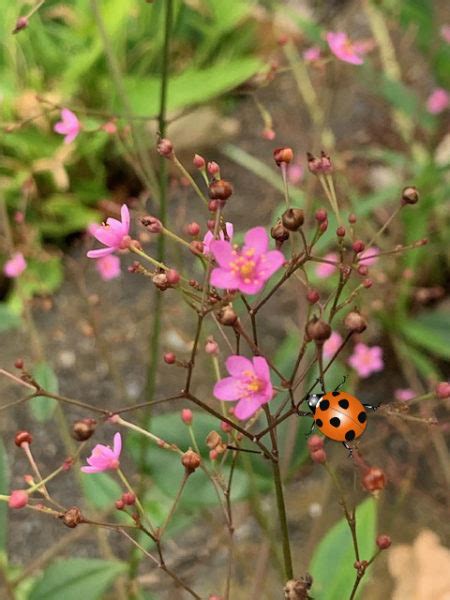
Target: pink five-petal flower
x=69 y=126
x=366 y=360
x=209 y=237
x=372 y=254
x=247 y=269
x=326 y=269
x=341 y=46
x=438 y=101
x=104 y=457
x=249 y=382
x=332 y=344
x=108 y=267
x=15 y=266
x=114 y=235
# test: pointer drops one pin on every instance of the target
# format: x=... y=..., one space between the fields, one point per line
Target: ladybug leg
x=313 y=426
x=349 y=448
x=371 y=406
x=344 y=379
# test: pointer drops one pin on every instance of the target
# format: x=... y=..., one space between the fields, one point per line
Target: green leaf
x=332 y=563
x=431 y=331
x=76 y=578
x=100 y=489
x=42 y=407
x=4 y=489
x=8 y=318
x=65 y=214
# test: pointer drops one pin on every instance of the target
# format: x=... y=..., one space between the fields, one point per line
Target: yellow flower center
x=252 y=383
x=244 y=265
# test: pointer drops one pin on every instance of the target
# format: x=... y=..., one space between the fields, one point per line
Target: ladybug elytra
x=338 y=415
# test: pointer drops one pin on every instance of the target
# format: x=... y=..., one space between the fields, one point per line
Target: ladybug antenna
x=344 y=379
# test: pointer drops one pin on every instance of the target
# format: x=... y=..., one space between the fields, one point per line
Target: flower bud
x=196 y=247
x=374 y=480
x=318 y=330
x=220 y=189
x=283 y=155
x=165 y=148
x=213 y=440
x=211 y=346
x=358 y=246
x=279 y=233
x=193 y=229
x=355 y=322
x=340 y=231
x=72 y=517
x=225 y=427
x=363 y=270
x=312 y=296
x=297 y=589
x=319 y=165
x=83 y=429
x=213 y=168
x=213 y=206
x=186 y=416
x=119 y=504
x=172 y=277
x=268 y=134
x=169 y=358
x=153 y=224
x=18 y=499
x=319 y=456
x=442 y=390
x=213 y=454
x=22 y=437
x=352 y=219
x=383 y=541
x=410 y=195
x=293 y=218
x=160 y=281
x=321 y=215
x=190 y=461
x=227 y=316
x=128 y=498
x=19 y=363
x=367 y=283
x=21 y=23
x=323 y=226
x=315 y=442
x=199 y=162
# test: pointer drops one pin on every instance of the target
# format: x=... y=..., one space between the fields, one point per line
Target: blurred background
x=243 y=80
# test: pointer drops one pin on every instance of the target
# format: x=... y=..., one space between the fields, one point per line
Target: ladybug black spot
x=350 y=435
x=335 y=422
x=319 y=422
x=362 y=417
x=324 y=405
x=343 y=403
x=335 y=393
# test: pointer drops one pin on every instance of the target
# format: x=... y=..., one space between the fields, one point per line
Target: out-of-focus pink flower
x=104 y=457
x=248 y=269
x=114 y=235
x=15 y=266
x=332 y=344
x=366 y=360
x=209 y=237
x=311 y=54
x=372 y=253
x=108 y=266
x=69 y=126
x=295 y=173
x=324 y=269
x=438 y=101
x=249 y=383
x=346 y=50
x=445 y=33
x=404 y=394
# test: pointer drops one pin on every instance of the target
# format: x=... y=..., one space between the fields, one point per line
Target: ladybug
x=338 y=415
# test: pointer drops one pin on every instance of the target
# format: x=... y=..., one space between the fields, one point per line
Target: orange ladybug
x=339 y=415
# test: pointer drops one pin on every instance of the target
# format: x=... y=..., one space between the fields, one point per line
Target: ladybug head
x=313 y=400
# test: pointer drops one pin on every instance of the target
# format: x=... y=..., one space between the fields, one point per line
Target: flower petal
x=117 y=448
x=256 y=239
x=106 y=236
x=246 y=408
x=222 y=252
x=91 y=470
x=228 y=389
x=125 y=215
x=100 y=252
x=254 y=287
x=70 y=137
x=224 y=279
x=236 y=364
x=261 y=368
x=269 y=263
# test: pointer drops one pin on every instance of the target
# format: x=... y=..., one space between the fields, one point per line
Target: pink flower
x=311 y=54
x=295 y=173
x=445 y=33
x=366 y=360
x=332 y=344
x=249 y=383
x=69 y=126
x=15 y=266
x=114 y=234
x=209 y=237
x=438 y=101
x=108 y=266
x=405 y=394
x=341 y=46
x=372 y=253
x=103 y=457
x=248 y=269
x=325 y=269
